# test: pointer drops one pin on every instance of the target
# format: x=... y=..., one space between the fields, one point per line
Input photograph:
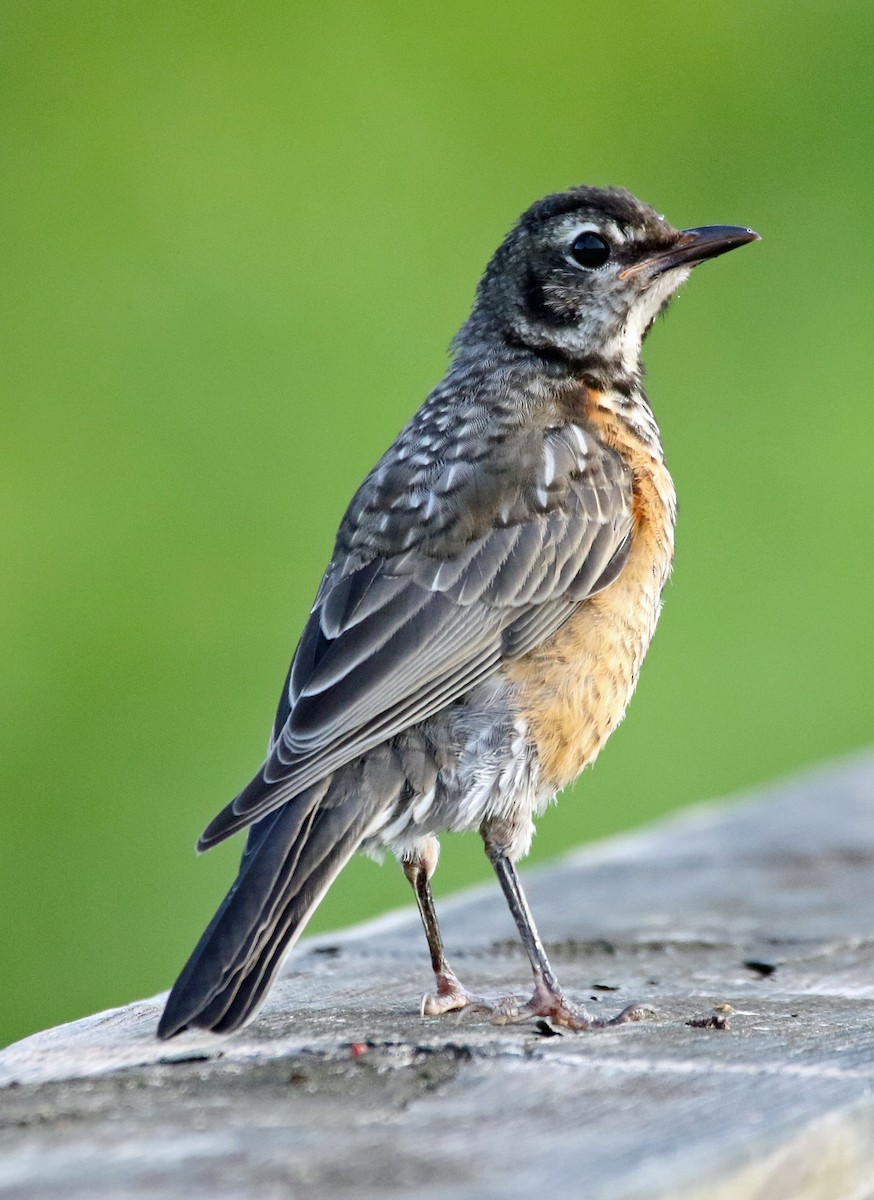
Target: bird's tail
x=291 y=858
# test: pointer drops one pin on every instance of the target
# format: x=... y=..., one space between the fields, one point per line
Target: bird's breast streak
x=574 y=688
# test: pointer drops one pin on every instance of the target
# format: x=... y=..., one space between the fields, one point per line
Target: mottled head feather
x=533 y=293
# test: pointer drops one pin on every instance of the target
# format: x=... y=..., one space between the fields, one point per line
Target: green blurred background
x=236 y=240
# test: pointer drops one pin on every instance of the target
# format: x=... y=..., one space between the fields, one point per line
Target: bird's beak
x=693 y=246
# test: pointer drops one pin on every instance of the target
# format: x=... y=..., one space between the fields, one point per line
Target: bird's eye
x=590 y=250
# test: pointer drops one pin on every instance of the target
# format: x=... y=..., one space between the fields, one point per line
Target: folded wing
x=442 y=571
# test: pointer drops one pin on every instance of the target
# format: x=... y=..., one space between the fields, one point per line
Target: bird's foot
x=452 y=996
x=552 y=1005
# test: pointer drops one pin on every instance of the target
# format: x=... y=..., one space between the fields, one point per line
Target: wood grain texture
x=341 y=1089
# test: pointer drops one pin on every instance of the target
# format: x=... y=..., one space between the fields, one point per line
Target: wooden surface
x=341 y=1089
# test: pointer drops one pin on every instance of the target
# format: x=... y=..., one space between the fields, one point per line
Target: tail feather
x=285 y=871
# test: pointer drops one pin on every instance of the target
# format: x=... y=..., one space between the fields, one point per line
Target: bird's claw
x=557 y=1010
x=452 y=996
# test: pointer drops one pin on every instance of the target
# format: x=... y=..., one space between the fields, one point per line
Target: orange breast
x=574 y=688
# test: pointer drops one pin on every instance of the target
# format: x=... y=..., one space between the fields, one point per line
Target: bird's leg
x=450 y=994
x=548 y=999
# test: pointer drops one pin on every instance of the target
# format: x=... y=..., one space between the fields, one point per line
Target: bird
x=479 y=630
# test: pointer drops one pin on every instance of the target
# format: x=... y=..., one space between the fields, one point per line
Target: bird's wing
x=443 y=569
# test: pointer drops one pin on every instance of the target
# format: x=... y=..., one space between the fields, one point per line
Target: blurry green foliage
x=236 y=239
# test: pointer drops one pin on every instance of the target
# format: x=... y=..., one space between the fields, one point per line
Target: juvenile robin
x=479 y=631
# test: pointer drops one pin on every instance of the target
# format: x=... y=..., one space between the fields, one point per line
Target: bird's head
x=584 y=273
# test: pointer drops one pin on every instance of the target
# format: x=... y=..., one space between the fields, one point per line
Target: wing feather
x=399 y=630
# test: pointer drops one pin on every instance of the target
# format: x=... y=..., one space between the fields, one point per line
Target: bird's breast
x=574 y=688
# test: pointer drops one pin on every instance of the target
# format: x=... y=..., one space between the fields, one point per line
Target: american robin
x=493 y=590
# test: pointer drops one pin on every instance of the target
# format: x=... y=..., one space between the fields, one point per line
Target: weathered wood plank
x=341 y=1089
